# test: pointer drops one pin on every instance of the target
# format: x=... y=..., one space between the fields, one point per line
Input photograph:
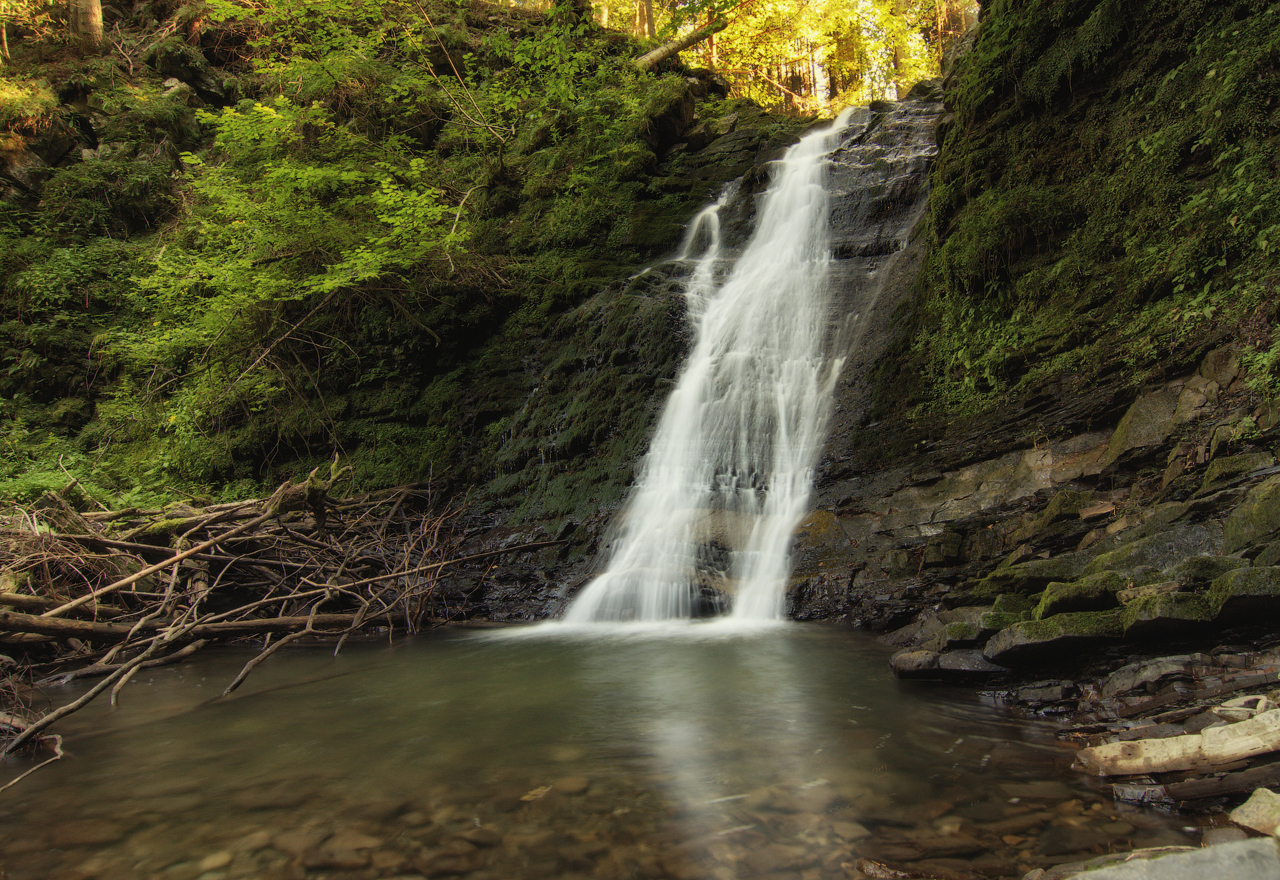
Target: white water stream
x=729 y=473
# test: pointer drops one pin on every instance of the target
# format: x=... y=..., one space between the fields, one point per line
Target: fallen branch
x=650 y=60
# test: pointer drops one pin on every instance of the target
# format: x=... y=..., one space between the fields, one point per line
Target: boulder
x=1260 y=813
x=1165 y=614
x=1060 y=637
x=1160 y=550
x=1245 y=593
x=1256 y=519
x=1147 y=423
x=1240 y=860
x=1034 y=575
x=1095 y=592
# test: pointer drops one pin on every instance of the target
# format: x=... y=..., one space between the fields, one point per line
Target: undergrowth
x=1107 y=196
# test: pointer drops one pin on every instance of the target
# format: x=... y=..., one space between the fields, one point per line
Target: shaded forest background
x=238 y=239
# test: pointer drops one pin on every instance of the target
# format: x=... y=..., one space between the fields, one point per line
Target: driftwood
x=650 y=60
x=1216 y=746
x=108 y=594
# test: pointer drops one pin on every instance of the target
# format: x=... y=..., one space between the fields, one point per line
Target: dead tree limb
x=650 y=60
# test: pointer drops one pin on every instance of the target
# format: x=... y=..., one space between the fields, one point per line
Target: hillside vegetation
x=1106 y=203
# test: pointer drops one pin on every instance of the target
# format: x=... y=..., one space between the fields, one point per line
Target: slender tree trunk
x=86 y=24
x=648 y=14
x=652 y=59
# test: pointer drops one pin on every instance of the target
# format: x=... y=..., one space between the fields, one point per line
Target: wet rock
x=1245 y=860
x=85 y=832
x=1056 y=638
x=1046 y=694
x=1260 y=813
x=295 y=843
x=1058 y=840
x=967 y=663
x=572 y=785
x=456 y=857
x=215 y=861
x=914 y=663
x=482 y=836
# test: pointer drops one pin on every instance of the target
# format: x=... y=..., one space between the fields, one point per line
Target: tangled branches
x=108 y=594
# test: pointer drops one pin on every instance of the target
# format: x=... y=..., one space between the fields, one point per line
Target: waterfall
x=728 y=475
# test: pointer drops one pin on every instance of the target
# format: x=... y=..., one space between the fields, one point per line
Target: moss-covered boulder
x=1256 y=519
x=1166 y=614
x=1160 y=550
x=1033 y=576
x=1199 y=571
x=1223 y=470
x=1246 y=594
x=1058 y=638
x=1096 y=592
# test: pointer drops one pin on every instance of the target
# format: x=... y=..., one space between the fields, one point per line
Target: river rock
x=1245 y=860
x=914 y=663
x=1260 y=813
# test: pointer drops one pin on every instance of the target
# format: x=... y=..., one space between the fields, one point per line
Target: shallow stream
x=784 y=752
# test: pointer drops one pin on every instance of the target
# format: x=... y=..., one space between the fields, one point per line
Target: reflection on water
x=786 y=752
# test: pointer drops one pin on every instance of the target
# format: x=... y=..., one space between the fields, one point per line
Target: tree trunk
x=648 y=17
x=652 y=59
x=86 y=24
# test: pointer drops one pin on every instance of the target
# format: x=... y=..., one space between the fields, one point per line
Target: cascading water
x=729 y=472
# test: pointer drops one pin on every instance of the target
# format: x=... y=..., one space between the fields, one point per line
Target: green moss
x=1166 y=613
x=1012 y=603
x=1081 y=624
x=1093 y=593
x=1102 y=199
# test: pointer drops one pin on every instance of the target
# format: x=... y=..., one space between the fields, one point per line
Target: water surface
x=785 y=752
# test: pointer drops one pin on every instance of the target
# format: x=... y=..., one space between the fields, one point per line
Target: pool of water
x=694 y=753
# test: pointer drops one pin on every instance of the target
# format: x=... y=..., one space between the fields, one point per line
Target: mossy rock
x=1246 y=594
x=1058 y=638
x=1168 y=614
x=1067 y=504
x=1160 y=550
x=1013 y=603
x=1201 y=570
x=1222 y=470
x=1097 y=592
x=1032 y=576
x=1256 y=519
x=961 y=633
x=1270 y=555
x=992 y=622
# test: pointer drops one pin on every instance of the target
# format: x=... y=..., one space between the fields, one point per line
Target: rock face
x=1058 y=552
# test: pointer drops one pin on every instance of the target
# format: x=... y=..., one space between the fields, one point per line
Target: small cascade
x=707 y=530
